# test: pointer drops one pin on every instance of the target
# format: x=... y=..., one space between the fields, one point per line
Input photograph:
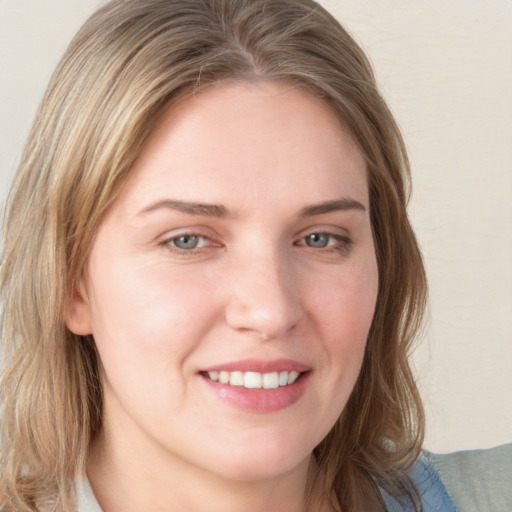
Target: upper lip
x=260 y=366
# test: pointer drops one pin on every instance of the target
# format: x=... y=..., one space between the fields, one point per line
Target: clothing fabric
x=432 y=491
x=434 y=496
x=86 y=500
x=478 y=480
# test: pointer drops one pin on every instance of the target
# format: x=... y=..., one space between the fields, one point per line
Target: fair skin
x=239 y=252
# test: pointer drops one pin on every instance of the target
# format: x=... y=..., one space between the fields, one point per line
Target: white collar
x=86 y=500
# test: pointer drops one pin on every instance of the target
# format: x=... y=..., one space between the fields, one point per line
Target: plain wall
x=445 y=68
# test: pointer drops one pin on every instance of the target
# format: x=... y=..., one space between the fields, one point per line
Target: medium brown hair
x=130 y=61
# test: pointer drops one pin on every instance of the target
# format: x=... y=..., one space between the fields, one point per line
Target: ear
x=77 y=312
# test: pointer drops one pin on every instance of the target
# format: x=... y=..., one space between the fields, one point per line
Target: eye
x=326 y=242
x=187 y=242
x=317 y=240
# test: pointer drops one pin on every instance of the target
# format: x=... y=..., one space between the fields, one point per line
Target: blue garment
x=433 y=493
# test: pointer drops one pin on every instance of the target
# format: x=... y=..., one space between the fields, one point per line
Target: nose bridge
x=264 y=294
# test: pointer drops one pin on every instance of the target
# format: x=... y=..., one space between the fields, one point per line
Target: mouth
x=258 y=386
x=254 y=380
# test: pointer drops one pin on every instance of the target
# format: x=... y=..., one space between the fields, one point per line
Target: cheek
x=145 y=314
x=147 y=320
x=345 y=312
x=346 y=302
x=146 y=324
x=344 y=309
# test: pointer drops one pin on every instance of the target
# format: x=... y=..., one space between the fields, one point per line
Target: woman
x=210 y=282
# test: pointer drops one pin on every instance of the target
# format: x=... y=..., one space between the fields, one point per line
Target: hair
x=127 y=64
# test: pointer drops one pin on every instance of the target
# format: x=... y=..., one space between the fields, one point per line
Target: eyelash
x=342 y=244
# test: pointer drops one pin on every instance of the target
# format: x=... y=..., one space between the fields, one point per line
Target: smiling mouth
x=254 y=380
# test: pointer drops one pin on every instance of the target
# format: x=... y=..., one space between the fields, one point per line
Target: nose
x=264 y=298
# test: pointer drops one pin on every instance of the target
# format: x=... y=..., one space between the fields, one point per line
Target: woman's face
x=231 y=286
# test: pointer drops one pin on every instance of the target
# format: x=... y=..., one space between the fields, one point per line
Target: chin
x=261 y=464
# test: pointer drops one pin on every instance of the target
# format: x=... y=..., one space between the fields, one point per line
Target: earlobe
x=77 y=313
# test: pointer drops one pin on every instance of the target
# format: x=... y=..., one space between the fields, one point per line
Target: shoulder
x=477 y=479
x=431 y=489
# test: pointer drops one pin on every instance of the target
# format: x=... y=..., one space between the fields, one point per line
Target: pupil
x=186 y=242
x=317 y=240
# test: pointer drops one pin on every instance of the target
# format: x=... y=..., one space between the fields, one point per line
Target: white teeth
x=255 y=380
x=271 y=380
x=292 y=377
x=237 y=379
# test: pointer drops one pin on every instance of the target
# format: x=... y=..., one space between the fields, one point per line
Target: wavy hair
x=127 y=64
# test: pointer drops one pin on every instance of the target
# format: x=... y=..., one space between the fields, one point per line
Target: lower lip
x=260 y=400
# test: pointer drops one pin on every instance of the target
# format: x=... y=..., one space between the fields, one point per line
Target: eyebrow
x=190 y=208
x=220 y=211
x=332 y=206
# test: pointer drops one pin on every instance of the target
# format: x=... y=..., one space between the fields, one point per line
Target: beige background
x=446 y=70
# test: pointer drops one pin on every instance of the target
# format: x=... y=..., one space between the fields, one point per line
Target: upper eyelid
x=185 y=233
x=190 y=231
x=326 y=230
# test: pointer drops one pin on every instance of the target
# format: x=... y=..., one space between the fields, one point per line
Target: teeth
x=271 y=380
x=255 y=380
x=252 y=380
x=292 y=377
x=237 y=379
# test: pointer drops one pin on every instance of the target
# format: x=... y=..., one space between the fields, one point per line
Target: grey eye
x=317 y=240
x=186 y=242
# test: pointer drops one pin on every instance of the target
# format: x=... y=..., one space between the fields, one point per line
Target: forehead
x=238 y=137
